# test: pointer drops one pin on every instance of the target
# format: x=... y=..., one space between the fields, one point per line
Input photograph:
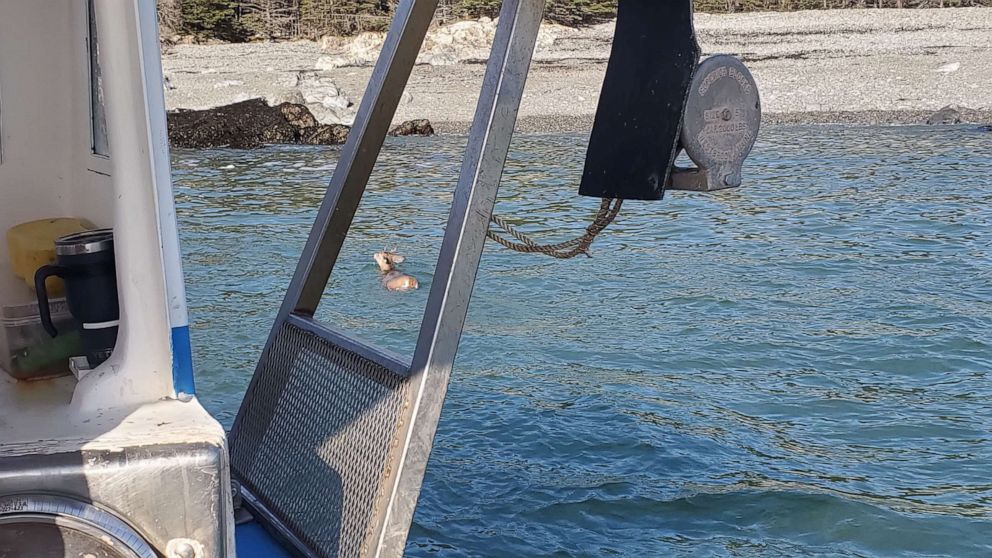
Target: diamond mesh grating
x=314 y=439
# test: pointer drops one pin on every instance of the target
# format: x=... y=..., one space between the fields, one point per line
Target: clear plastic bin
x=27 y=352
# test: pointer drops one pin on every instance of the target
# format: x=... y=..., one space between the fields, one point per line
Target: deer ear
x=396 y=258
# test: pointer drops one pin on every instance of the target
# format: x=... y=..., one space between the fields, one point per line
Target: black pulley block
x=635 y=137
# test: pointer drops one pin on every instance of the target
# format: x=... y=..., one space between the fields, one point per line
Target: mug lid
x=85 y=242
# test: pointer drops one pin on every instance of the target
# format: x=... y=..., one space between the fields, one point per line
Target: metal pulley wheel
x=39 y=525
x=720 y=124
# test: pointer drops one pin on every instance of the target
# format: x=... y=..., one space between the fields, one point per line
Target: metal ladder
x=332 y=439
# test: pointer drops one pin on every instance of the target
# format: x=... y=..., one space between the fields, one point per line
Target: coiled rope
x=608 y=211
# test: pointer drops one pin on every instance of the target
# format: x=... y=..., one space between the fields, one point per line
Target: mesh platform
x=315 y=439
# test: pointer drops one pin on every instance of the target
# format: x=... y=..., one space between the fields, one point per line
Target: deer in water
x=391 y=278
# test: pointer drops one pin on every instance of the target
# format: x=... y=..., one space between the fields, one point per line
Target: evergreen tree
x=478 y=8
x=211 y=18
x=170 y=17
x=579 y=12
x=344 y=17
x=233 y=19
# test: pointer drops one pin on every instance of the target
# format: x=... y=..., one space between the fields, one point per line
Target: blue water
x=797 y=367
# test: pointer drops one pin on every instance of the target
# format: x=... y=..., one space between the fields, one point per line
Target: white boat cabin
x=83 y=140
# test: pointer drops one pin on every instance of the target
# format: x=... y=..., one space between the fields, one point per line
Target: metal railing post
x=461 y=251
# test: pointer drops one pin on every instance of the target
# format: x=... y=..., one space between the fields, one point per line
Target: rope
x=608 y=211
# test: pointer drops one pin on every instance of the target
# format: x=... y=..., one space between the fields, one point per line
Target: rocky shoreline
x=254 y=123
x=870 y=66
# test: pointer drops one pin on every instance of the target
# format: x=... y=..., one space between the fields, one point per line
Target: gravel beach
x=839 y=66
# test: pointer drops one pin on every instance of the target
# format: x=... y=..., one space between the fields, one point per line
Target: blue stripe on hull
x=253 y=541
x=182 y=361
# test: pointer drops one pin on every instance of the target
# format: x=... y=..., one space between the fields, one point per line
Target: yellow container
x=32 y=245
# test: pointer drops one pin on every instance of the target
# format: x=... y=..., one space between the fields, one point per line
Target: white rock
x=330 y=62
x=322 y=96
x=281 y=96
x=336 y=102
x=289 y=79
x=316 y=87
x=364 y=49
x=443 y=58
x=330 y=43
x=446 y=45
x=228 y=83
x=327 y=115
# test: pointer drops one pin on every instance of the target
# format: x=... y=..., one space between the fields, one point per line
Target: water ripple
x=799 y=367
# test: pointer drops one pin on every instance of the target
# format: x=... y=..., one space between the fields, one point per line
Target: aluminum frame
x=461 y=249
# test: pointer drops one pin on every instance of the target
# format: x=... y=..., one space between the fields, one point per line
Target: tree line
x=239 y=20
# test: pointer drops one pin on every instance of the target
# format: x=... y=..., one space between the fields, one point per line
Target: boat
x=105 y=449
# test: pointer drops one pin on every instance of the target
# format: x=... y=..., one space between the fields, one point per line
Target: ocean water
x=798 y=367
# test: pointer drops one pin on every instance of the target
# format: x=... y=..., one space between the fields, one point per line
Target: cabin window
x=98 y=121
